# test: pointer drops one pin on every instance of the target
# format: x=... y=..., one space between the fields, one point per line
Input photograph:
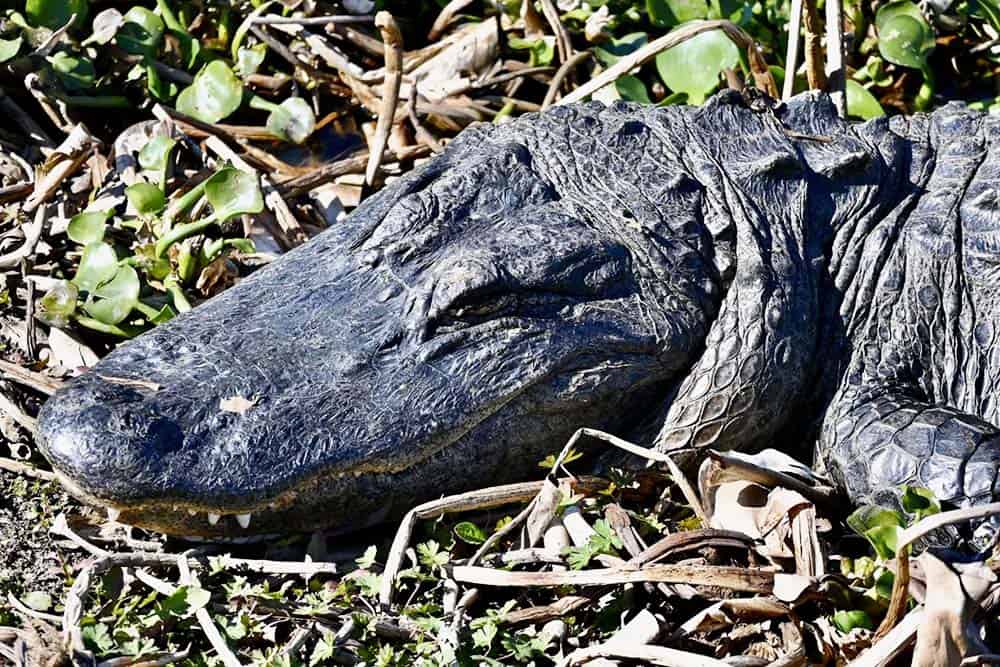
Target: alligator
x=731 y=276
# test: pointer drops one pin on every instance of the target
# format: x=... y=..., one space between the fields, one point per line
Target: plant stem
x=97 y=325
x=181 y=232
x=925 y=96
x=181 y=302
x=259 y=103
x=97 y=102
x=186 y=201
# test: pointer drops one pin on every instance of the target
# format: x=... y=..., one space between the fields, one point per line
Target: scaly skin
x=689 y=278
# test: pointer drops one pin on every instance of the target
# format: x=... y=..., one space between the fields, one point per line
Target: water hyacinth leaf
x=214 y=95
x=97 y=265
x=113 y=300
x=9 y=48
x=156 y=157
x=58 y=305
x=141 y=32
x=105 y=26
x=693 y=67
x=612 y=51
x=880 y=526
x=848 y=620
x=541 y=50
x=632 y=89
x=919 y=501
x=470 y=533
x=88 y=227
x=232 y=192
x=75 y=74
x=248 y=61
x=55 y=14
x=293 y=120
x=668 y=13
x=905 y=37
x=145 y=198
x=861 y=103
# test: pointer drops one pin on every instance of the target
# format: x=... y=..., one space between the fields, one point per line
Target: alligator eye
x=479 y=308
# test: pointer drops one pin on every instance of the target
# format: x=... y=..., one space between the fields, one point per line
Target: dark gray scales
x=686 y=277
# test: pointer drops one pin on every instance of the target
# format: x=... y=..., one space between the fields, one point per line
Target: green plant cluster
x=134 y=269
x=124 y=60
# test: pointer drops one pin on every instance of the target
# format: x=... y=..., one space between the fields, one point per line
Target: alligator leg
x=876 y=440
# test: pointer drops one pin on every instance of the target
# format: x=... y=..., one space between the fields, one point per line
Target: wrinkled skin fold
x=689 y=278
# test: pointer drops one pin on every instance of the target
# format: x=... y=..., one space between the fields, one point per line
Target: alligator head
x=452 y=332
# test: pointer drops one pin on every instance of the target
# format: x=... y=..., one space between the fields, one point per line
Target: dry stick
x=208 y=626
x=644 y=654
x=160 y=660
x=884 y=651
x=648 y=52
x=835 y=72
x=271 y=19
x=563 y=43
x=393 y=41
x=445 y=17
x=813 y=48
x=32 y=233
x=25 y=469
x=792 y=56
x=571 y=63
x=749 y=580
x=897 y=605
x=650 y=455
x=37 y=381
x=8 y=406
x=423 y=135
x=488 y=498
x=24 y=610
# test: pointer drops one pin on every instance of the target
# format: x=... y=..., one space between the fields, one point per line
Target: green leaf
x=693 y=67
x=38 y=600
x=632 y=89
x=884 y=583
x=668 y=13
x=97 y=265
x=880 y=526
x=215 y=94
x=112 y=301
x=232 y=192
x=58 y=305
x=861 y=103
x=541 y=50
x=848 y=620
x=106 y=25
x=141 y=33
x=884 y=540
x=249 y=60
x=184 y=601
x=55 y=14
x=75 y=74
x=470 y=533
x=293 y=120
x=987 y=9
x=156 y=157
x=145 y=198
x=88 y=227
x=611 y=52
x=919 y=501
x=905 y=37
x=9 y=48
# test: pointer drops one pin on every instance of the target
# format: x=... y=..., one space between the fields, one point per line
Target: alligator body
x=689 y=277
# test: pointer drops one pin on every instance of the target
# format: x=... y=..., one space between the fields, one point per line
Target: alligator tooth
x=243 y=520
x=113 y=514
x=213 y=518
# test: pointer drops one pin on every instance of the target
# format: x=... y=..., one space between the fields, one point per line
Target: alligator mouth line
x=141 y=512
